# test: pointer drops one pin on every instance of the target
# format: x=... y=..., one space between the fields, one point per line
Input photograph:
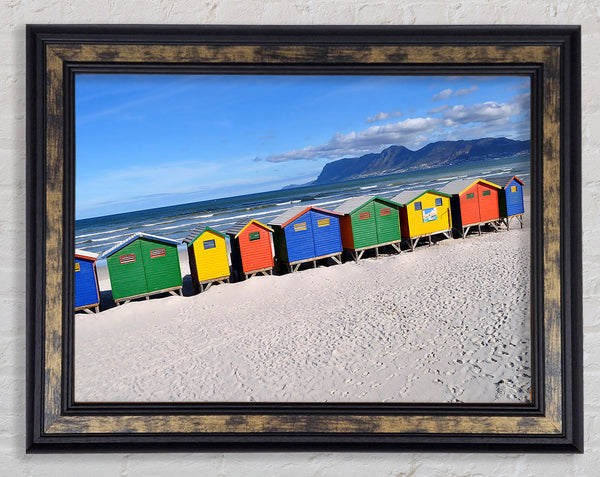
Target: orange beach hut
x=251 y=248
x=473 y=203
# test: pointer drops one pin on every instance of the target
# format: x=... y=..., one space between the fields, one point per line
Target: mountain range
x=397 y=159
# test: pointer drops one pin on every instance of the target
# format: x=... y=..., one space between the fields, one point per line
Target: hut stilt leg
x=376 y=252
x=429 y=237
x=97 y=309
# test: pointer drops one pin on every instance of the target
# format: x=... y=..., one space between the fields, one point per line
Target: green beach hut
x=143 y=265
x=369 y=222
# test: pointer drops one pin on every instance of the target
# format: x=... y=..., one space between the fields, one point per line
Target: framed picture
x=292 y=238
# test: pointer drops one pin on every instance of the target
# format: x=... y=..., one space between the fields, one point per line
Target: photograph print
x=302 y=238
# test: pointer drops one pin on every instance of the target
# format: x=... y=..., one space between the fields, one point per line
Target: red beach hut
x=251 y=249
x=473 y=203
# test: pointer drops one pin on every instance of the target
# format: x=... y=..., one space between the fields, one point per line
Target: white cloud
x=438 y=110
x=489 y=111
x=383 y=116
x=450 y=93
x=444 y=94
x=482 y=112
x=476 y=120
x=368 y=140
x=465 y=91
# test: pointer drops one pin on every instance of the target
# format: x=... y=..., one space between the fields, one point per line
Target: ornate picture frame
x=548 y=55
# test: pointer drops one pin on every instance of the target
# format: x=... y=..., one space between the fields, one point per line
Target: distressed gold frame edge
x=55 y=423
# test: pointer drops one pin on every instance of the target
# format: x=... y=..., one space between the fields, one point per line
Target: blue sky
x=145 y=141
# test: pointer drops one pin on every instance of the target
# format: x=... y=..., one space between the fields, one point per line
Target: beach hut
x=510 y=199
x=423 y=214
x=473 y=203
x=369 y=222
x=251 y=249
x=306 y=234
x=86 y=282
x=143 y=265
x=208 y=256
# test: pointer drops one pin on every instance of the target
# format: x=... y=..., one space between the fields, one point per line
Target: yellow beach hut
x=208 y=256
x=424 y=213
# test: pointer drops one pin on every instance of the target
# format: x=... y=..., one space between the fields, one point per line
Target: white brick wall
x=14 y=14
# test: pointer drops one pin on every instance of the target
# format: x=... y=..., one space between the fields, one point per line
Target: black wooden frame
x=549 y=55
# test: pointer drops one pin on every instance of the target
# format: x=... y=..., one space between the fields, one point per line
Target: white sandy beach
x=447 y=323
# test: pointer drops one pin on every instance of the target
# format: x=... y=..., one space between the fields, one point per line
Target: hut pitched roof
x=241 y=224
x=197 y=231
x=503 y=181
x=85 y=254
x=294 y=212
x=458 y=187
x=136 y=236
x=350 y=205
x=408 y=196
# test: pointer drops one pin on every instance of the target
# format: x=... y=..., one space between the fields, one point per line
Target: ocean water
x=99 y=234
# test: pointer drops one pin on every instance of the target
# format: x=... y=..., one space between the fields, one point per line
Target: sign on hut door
x=429 y=215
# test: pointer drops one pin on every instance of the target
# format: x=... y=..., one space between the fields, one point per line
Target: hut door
x=364 y=226
x=514 y=198
x=126 y=268
x=161 y=265
x=86 y=292
x=326 y=233
x=488 y=202
x=299 y=238
x=388 y=224
x=469 y=206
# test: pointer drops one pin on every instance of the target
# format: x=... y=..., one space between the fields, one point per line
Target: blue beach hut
x=86 y=282
x=510 y=199
x=306 y=234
